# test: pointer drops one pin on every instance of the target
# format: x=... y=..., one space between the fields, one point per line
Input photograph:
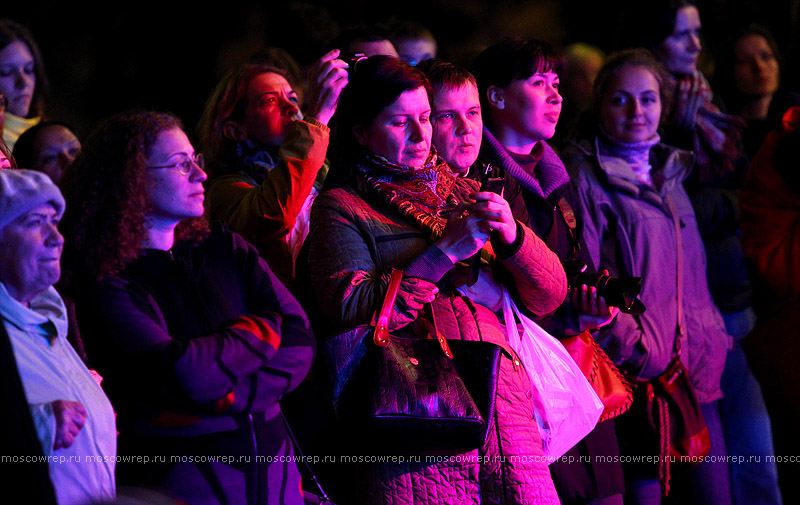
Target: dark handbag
x=410 y=395
x=606 y=379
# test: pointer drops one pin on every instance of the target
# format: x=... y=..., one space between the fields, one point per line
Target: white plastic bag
x=566 y=407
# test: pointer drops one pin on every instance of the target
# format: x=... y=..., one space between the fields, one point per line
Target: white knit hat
x=23 y=190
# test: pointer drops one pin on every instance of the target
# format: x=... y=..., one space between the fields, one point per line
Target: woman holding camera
x=266 y=156
x=394 y=203
x=636 y=220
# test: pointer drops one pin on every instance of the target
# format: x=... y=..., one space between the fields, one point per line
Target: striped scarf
x=718 y=136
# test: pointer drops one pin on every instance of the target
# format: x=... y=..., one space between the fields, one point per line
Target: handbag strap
x=437 y=334
x=323 y=496
x=679 y=245
x=568 y=216
x=381 y=336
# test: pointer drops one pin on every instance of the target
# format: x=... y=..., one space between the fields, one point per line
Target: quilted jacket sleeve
x=538 y=275
x=349 y=282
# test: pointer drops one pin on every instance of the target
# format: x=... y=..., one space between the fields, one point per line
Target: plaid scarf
x=424 y=194
x=718 y=136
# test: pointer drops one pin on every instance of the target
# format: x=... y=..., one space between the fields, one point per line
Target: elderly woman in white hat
x=73 y=418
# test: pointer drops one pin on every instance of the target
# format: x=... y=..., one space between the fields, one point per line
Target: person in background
x=73 y=417
x=49 y=147
x=196 y=338
x=518 y=82
x=266 y=157
x=3 y=107
x=626 y=189
x=748 y=77
x=770 y=204
x=373 y=219
x=582 y=62
x=368 y=40
x=23 y=81
x=414 y=42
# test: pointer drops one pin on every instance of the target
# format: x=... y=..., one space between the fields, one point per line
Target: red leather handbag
x=607 y=380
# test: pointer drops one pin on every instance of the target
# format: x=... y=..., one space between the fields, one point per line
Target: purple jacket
x=197 y=346
x=626 y=227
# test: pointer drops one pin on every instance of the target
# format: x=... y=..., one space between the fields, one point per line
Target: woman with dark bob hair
x=397 y=205
x=196 y=338
x=519 y=82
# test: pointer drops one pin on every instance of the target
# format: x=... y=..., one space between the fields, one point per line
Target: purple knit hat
x=23 y=190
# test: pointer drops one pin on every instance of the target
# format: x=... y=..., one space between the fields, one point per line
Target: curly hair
x=106 y=220
x=227 y=102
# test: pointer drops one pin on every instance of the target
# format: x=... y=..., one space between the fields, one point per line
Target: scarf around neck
x=635 y=154
x=46 y=317
x=718 y=136
x=250 y=159
x=16 y=126
x=424 y=194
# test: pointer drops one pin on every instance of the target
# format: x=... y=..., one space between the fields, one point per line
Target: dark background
x=115 y=56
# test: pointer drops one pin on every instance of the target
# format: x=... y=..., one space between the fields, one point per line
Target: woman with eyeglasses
x=23 y=81
x=266 y=157
x=196 y=338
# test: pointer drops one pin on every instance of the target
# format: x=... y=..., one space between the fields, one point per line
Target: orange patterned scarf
x=424 y=194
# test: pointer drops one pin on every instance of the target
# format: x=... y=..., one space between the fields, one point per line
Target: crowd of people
x=167 y=290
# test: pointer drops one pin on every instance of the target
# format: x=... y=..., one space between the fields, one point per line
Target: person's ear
x=234 y=130
x=494 y=96
x=359 y=133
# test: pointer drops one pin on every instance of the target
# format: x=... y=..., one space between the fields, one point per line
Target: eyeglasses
x=185 y=166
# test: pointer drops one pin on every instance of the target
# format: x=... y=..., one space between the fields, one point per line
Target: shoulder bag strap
x=679 y=244
x=568 y=215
